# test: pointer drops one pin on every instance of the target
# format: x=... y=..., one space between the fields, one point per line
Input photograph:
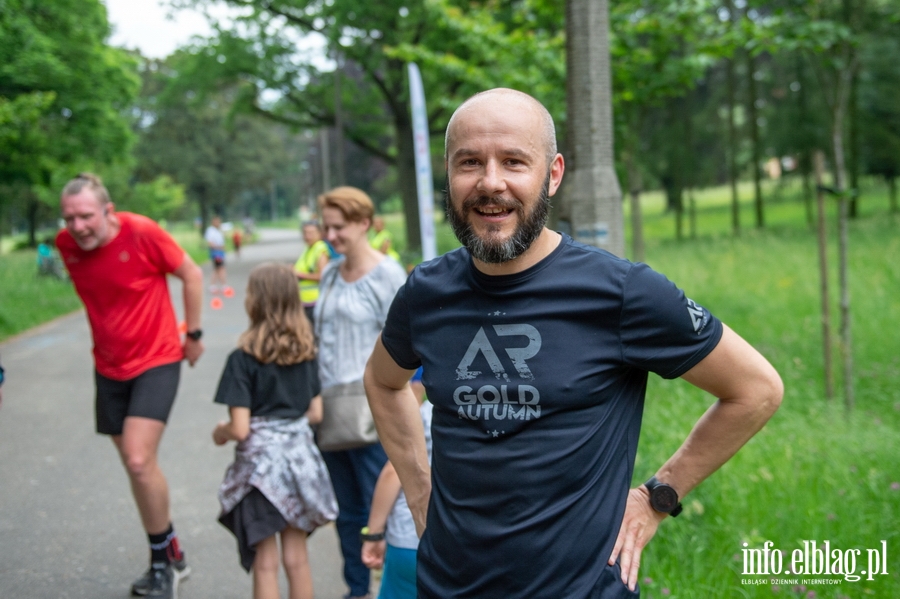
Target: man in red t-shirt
x=119 y=263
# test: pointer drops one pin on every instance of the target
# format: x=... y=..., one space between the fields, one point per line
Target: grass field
x=816 y=472
x=27 y=300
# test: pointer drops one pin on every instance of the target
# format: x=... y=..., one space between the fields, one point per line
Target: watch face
x=663 y=498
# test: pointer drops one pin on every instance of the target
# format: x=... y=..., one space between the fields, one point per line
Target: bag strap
x=324 y=299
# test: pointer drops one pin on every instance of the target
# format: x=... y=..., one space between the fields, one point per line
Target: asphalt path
x=68 y=523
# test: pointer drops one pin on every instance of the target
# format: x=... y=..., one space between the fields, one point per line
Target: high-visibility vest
x=309 y=290
x=378 y=241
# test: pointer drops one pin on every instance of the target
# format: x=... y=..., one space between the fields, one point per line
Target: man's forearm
x=718 y=435
x=749 y=391
x=401 y=434
x=192 y=294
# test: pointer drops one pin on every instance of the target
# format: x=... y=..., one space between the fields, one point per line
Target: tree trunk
x=406 y=179
x=593 y=187
x=687 y=161
x=325 y=157
x=892 y=194
x=804 y=165
x=32 y=211
x=203 y=203
x=837 y=138
x=853 y=146
x=754 y=140
x=823 y=276
x=340 y=162
x=805 y=157
x=634 y=192
x=733 y=150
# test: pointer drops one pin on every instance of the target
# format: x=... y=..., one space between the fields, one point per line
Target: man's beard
x=495 y=251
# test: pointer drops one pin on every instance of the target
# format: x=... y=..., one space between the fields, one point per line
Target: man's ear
x=109 y=208
x=557 y=168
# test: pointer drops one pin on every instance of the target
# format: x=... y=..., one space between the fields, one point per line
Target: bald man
x=536 y=351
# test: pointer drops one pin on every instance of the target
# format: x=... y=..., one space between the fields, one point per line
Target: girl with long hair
x=278 y=483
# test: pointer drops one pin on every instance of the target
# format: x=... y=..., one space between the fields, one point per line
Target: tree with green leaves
x=199 y=142
x=461 y=48
x=661 y=50
x=64 y=95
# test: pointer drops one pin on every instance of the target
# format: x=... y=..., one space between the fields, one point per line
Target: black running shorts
x=149 y=395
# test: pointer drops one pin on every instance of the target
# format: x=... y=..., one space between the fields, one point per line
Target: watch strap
x=365 y=535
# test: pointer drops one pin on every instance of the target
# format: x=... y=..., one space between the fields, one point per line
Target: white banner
x=424 y=181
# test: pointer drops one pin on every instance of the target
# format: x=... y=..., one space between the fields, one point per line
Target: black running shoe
x=141 y=586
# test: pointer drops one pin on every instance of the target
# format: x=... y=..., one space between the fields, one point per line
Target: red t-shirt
x=123 y=287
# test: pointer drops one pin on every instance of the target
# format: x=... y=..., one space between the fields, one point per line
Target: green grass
x=26 y=299
x=815 y=472
x=191 y=241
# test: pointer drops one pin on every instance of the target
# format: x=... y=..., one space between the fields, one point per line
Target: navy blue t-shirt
x=538 y=383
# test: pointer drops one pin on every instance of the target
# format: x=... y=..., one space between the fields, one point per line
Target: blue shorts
x=217 y=257
x=398 y=580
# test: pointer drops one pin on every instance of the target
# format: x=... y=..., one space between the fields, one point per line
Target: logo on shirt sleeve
x=699 y=315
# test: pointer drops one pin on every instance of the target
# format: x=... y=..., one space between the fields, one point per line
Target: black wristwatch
x=663 y=498
x=365 y=535
x=195 y=334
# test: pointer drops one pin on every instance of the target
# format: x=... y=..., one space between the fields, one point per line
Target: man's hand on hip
x=638 y=526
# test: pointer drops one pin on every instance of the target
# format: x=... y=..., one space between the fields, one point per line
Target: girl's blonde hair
x=279 y=330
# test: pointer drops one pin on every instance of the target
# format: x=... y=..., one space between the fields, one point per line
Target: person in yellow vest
x=382 y=240
x=309 y=266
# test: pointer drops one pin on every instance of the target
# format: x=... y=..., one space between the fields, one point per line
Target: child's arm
x=236 y=430
x=314 y=413
x=387 y=489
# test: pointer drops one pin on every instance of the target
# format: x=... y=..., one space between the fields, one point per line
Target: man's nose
x=492 y=180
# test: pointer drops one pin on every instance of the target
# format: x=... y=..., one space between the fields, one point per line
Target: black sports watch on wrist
x=195 y=334
x=365 y=535
x=663 y=498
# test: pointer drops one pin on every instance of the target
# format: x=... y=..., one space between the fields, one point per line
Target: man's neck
x=113 y=228
x=542 y=247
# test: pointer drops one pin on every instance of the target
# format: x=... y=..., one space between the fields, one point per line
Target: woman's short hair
x=89 y=181
x=353 y=203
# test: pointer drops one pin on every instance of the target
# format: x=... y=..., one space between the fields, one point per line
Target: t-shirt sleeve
x=234 y=386
x=662 y=330
x=315 y=385
x=161 y=250
x=391 y=279
x=396 y=333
